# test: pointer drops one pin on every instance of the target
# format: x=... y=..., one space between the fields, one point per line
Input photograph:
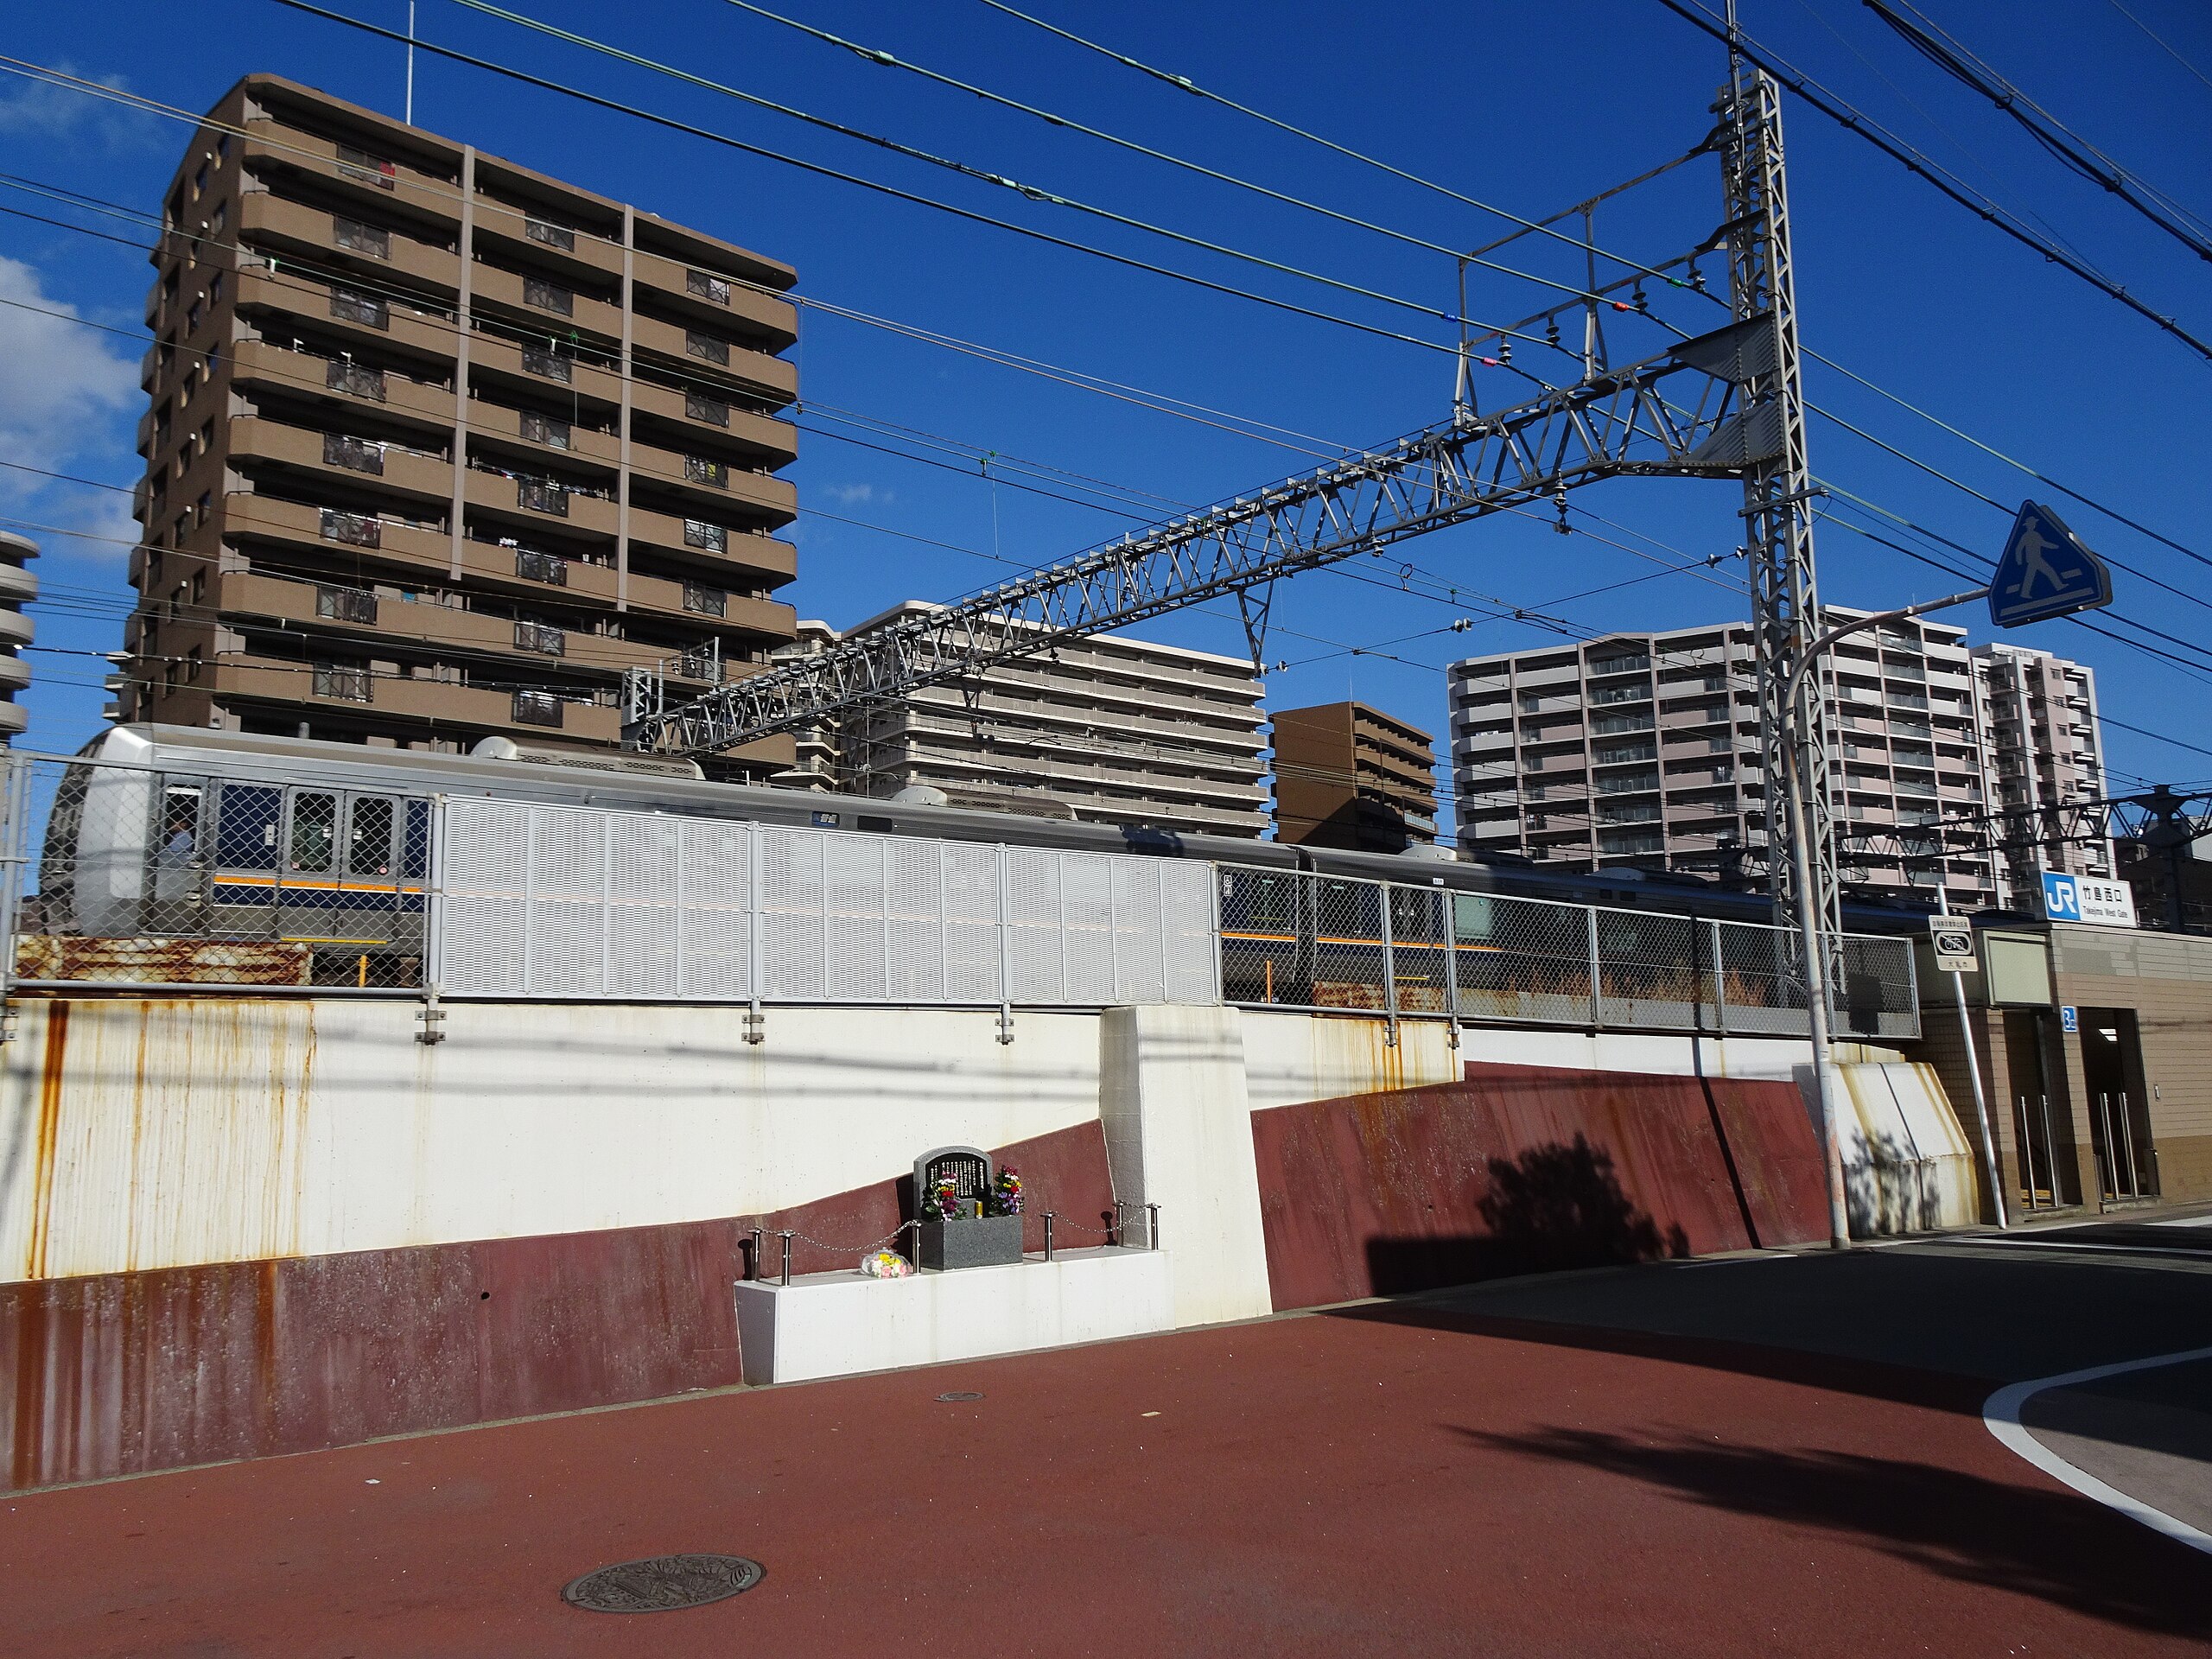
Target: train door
x=370 y=869
x=308 y=879
x=244 y=857
x=177 y=894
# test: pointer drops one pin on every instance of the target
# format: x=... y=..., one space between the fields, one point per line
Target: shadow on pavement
x=2050 y=1545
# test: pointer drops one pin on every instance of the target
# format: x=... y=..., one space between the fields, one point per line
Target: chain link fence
x=1294 y=939
x=123 y=874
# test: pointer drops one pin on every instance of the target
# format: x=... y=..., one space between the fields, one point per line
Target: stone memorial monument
x=970 y=1215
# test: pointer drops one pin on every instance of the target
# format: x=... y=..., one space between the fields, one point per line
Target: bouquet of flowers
x=1004 y=1198
x=941 y=1202
x=886 y=1264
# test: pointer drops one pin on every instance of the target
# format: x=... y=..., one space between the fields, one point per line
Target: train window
x=179 y=842
x=415 y=851
x=368 y=834
x=314 y=831
x=246 y=826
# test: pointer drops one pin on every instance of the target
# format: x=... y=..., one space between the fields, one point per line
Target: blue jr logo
x=2062 y=899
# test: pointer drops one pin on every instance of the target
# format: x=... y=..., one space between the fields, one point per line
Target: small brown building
x=1347 y=775
x=2096 y=1052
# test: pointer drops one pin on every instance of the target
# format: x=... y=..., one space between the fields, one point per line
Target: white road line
x=2058 y=1244
x=2001 y=1413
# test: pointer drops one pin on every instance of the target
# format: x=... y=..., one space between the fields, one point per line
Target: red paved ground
x=1320 y=1485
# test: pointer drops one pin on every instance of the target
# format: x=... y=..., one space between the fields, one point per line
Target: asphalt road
x=1769 y=1455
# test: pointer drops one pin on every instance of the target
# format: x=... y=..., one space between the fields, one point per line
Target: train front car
x=161 y=860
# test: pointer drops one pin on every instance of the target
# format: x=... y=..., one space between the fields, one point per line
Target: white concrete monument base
x=839 y=1323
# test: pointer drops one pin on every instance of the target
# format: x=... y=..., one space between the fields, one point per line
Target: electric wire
x=1837 y=110
x=1184 y=83
x=2070 y=148
x=887 y=60
x=2161 y=43
x=1030 y=192
x=53 y=77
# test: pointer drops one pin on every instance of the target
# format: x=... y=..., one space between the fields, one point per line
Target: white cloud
x=41 y=109
x=854 y=495
x=68 y=394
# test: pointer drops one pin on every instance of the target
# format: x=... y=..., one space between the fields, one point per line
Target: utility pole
x=1785 y=598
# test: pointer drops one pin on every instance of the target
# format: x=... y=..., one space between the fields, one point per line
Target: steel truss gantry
x=1726 y=404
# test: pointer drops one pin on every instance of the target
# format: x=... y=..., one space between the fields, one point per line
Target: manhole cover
x=961 y=1394
x=662 y=1583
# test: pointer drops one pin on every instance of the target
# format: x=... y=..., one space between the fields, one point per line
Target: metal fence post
x=1389 y=964
x=1449 y=917
x=1597 y=983
x=1048 y=1236
x=1719 y=982
x=787 y=1260
x=1006 y=956
x=756 y=955
x=1151 y=1226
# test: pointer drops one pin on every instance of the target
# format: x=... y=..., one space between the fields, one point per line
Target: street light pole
x=1813 y=945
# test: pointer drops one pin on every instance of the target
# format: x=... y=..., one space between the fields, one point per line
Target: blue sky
x=1528 y=107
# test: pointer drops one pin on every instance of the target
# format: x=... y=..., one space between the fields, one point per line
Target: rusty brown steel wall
x=125 y=1373
x=1523 y=1169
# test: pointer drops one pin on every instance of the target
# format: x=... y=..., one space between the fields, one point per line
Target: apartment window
x=347 y=682
x=705 y=601
x=706 y=347
x=547 y=362
x=355 y=454
x=199 y=181
x=1620 y=665
x=345 y=604
x=698 y=470
x=222 y=218
x=547 y=297
x=541 y=495
x=713 y=538
x=360 y=165
x=550 y=235
x=699 y=407
x=204 y=509
x=533 y=566
x=707 y=286
x=192 y=662
x=536 y=708
x=351 y=233
x=544 y=428
x=199 y=585
x=354 y=529
x=191 y=315
x=351 y=305
x=357 y=379
x=1620 y=694
x=537 y=636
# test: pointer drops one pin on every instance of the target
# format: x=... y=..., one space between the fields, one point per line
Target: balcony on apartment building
x=340 y=383
x=287 y=157
x=411 y=480
x=334 y=242
x=708 y=361
x=711 y=423
x=743 y=558
x=357 y=689
x=727 y=305
x=291 y=299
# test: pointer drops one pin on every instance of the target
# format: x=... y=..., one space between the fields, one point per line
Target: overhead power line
x=1955 y=60
x=2161 y=43
x=981 y=174
x=874 y=55
x=1700 y=17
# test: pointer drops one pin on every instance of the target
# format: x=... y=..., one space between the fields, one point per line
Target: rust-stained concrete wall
x=1523 y=1168
x=121 y=1373
x=136 y=1134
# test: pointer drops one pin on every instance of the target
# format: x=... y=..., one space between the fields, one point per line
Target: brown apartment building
x=1347 y=775
x=438 y=447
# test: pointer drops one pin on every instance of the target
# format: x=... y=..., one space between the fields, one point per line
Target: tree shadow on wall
x=1554 y=1207
x=2025 y=1540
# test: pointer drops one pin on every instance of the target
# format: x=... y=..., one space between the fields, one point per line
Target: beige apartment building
x=2041 y=747
x=1347 y=775
x=1644 y=749
x=438 y=447
x=1105 y=729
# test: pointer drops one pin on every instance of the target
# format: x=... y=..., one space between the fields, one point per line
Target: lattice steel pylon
x=1777 y=506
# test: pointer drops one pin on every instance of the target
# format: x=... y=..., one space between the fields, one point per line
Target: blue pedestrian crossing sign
x=2046 y=572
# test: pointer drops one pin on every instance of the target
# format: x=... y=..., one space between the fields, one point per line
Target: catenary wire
x=1837 y=110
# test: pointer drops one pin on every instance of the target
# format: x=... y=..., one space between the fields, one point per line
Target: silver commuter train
x=180 y=832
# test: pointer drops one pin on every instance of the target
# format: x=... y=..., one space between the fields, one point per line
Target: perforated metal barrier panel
x=549 y=901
